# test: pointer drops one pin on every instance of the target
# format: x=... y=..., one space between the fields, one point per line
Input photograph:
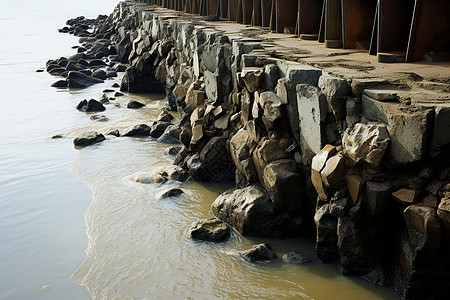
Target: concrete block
x=409 y=129
x=312 y=110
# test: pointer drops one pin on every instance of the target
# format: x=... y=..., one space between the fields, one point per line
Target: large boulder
x=78 y=80
x=251 y=211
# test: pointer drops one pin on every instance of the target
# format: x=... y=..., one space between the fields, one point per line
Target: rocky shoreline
x=357 y=162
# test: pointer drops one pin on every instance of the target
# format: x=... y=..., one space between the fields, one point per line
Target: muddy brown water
x=76 y=225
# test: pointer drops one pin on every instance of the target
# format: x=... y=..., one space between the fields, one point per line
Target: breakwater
x=357 y=158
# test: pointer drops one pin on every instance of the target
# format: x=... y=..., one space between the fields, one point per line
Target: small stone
x=118 y=94
x=115 y=85
x=261 y=252
x=90 y=106
x=114 y=132
x=296 y=257
x=252 y=78
x=213 y=230
x=99 y=118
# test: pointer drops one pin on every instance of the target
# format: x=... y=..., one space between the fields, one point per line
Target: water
x=136 y=246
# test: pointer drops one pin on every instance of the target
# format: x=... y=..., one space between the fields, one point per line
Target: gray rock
x=135 y=104
x=99 y=74
x=175 y=192
x=60 y=84
x=158 y=129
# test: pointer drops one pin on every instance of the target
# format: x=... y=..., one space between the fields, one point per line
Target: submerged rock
x=175 y=192
x=261 y=252
x=296 y=257
x=89 y=139
x=213 y=230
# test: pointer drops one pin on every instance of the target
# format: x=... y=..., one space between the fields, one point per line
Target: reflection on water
x=137 y=245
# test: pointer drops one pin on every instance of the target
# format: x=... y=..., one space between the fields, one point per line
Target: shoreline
x=245 y=116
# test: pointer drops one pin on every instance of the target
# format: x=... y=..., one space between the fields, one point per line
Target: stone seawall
x=360 y=159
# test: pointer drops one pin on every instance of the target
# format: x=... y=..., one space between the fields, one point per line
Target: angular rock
x=99 y=74
x=336 y=90
x=366 y=142
x=326 y=230
x=406 y=196
x=424 y=229
x=261 y=252
x=355 y=185
x=89 y=139
x=158 y=129
x=213 y=230
x=409 y=130
x=333 y=172
x=312 y=110
x=60 y=84
x=317 y=165
x=270 y=78
x=252 y=78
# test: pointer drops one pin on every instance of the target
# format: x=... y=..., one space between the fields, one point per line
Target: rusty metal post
x=309 y=15
x=394 y=24
x=430 y=31
x=247 y=9
x=232 y=7
x=256 y=14
x=265 y=12
x=357 y=18
x=333 y=24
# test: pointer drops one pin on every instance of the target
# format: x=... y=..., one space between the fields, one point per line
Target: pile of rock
x=369 y=167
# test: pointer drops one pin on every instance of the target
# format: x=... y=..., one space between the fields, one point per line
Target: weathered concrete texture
x=409 y=128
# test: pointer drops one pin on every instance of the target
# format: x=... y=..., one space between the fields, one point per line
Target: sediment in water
x=360 y=161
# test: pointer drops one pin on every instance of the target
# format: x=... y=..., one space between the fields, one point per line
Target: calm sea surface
x=75 y=224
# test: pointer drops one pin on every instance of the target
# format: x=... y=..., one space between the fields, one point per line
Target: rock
x=135 y=104
x=261 y=252
x=378 y=197
x=167 y=139
x=96 y=63
x=355 y=185
x=317 y=165
x=366 y=142
x=118 y=94
x=252 y=78
x=441 y=129
x=326 y=239
x=104 y=99
x=381 y=94
x=338 y=207
x=249 y=210
x=409 y=130
x=270 y=78
x=296 y=257
x=158 y=129
x=90 y=106
x=424 y=229
x=175 y=192
x=333 y=172
x=115 y=85
x=60 y=84
x=79 y=80
x=213 y=230
x=114 y=132
x=172 y=150
x=89 y=139
x=165 y=116
x=406 y=196
x=111 y=73
x=312 y=110
x=99 y=74
x=443 y=213
x=99 y=118
x=217 y=160
x=139 y=130
x=336 y=90
x=377 y=276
